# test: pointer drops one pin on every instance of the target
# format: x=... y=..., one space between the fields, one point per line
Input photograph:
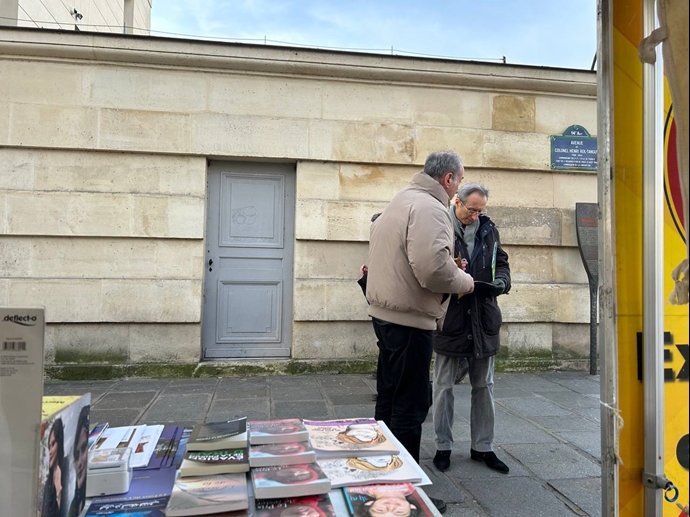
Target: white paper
x=146 y=445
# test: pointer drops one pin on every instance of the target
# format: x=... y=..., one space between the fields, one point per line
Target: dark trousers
x=402 y=381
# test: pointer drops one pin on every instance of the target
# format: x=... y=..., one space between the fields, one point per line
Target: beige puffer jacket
x=411 y=268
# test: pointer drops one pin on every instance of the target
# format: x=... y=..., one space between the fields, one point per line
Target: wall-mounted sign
x=574 y=149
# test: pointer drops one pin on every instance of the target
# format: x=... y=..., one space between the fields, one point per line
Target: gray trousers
x=482 y=407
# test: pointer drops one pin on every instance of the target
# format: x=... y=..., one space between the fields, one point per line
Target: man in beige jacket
x=410 y=278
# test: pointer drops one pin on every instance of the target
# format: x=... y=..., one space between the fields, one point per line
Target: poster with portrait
x=63 y=455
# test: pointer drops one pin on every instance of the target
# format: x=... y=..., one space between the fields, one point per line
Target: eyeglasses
x=472 y=211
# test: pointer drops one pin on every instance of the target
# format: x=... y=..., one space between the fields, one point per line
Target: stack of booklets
x=361 y=452
x=283 y=463
x=208 y=495
x=388 y=499
x=279 y=442
x=217 y=448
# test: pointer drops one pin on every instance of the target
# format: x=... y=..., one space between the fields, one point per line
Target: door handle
x=210 y=263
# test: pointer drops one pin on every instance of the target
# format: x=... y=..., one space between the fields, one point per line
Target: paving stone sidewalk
x=547 y=430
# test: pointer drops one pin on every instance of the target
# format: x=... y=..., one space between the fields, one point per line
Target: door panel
x=250 y=236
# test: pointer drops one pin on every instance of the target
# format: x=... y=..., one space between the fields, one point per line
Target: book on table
x=263 y=432
x=206 y=463
x=289 y=481
x=208 y=495
x=349 y=438
x=212 y=436
x=366 y=470
x=312 y=505
x=397 y=498
x=281 y=454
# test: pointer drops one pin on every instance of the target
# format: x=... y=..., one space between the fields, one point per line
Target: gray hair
x=468 y=189
x=439 y=163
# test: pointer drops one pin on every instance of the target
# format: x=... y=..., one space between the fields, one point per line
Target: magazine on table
x=205 y=463
x=281 y=454
x=379 y=499
x=313 y=505
x=208 y=495
x=289 y=481
x=263 y=432
x=212 y=436
x=349 y=438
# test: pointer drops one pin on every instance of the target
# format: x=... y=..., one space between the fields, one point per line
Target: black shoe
x=491 y=460
x=442 y=460
x=440 y=504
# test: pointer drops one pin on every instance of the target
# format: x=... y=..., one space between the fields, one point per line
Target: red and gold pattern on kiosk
x=628 y=213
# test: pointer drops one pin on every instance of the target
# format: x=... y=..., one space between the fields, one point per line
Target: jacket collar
x=426 y=183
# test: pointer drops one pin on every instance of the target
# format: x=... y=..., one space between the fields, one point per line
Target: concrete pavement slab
x=128 y=399
x=554 y=461
x=313 y=410
x=116 y=417
x=517 y=497
x=588 y=441
x=141 y=384
x=514 y=429
x=249 y=392
x=571 y=399
x=583 y=386
x=362 y=399
x=531 y=382
x=455 y=510
x=188 y=386
x=294 y=381
x=565 y=423
x=294 y=394
x=364 y=411
x=176 y=408
x=443 y=486
x=593 y=414
x=587 y=493
x=510 y=392
x=253 y=409
x=533 y=406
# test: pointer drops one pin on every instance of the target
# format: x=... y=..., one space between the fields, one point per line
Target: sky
x=554 y=33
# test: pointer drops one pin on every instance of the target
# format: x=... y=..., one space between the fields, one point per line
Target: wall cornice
x=23 y=43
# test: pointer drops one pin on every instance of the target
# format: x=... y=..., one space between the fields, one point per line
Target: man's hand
x=498 y=287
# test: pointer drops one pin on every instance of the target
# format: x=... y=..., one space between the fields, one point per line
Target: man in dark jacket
x=471 y=329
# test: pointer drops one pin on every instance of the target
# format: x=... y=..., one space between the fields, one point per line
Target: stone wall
x=104 y=142
x=96 y=15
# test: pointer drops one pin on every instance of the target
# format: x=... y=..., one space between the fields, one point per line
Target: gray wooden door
x=249 y=258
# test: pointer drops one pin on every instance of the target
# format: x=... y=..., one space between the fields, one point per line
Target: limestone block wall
x=104 y=142
x=97 y=15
